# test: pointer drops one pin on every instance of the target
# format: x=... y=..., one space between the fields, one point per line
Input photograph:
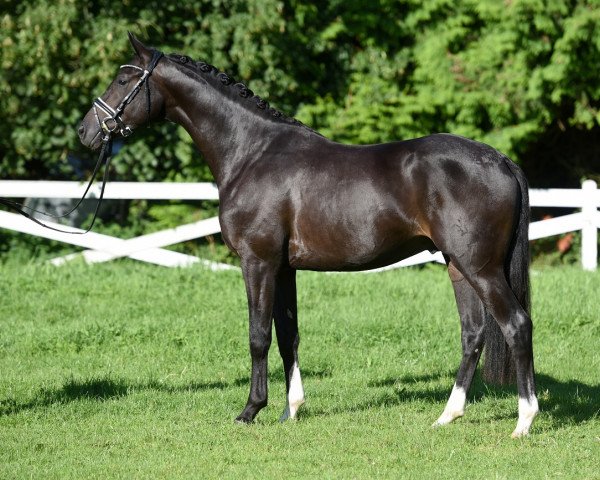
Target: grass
x=132 y=371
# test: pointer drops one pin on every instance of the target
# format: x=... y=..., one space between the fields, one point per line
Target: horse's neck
x=228 y=133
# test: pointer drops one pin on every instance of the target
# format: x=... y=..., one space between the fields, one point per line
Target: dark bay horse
x=291 y=199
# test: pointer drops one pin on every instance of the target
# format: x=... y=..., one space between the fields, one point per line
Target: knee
x=259 y=345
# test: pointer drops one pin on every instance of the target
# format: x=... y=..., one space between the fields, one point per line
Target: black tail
x=499 y=366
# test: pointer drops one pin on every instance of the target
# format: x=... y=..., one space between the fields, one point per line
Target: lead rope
x=103 y=158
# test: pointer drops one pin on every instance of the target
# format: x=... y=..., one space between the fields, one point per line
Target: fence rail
x=149 y=248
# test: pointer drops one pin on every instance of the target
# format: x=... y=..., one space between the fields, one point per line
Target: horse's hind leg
x=472 y=314
x=285 y=313
x=492 y=287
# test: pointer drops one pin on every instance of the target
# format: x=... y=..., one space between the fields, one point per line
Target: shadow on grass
x=102 y=389
x=564 y=402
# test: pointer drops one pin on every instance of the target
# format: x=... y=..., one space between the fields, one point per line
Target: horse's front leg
x=285 y=313
x=259 y=277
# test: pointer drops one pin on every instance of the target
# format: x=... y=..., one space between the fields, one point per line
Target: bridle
x=113 y=122
x=110 y=124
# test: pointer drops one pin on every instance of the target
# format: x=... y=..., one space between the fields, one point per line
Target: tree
x=500 y=72
x=508 y=73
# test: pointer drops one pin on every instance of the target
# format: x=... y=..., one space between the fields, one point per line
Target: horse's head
x=130 y=100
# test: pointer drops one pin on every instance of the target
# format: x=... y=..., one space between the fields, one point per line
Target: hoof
x=241 y=420
x=291 y=410
x=520 y=433
x=528 y=410
x=446 y=418
x=455 y=407
x=285 y=415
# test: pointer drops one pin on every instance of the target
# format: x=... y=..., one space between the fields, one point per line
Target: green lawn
x=132 y=371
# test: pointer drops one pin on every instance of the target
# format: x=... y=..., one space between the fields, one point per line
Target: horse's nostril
x=81 y=130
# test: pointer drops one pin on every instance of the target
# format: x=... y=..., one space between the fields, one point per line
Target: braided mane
x=206 y=69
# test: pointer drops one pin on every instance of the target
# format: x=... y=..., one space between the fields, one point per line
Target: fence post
x=589 y=236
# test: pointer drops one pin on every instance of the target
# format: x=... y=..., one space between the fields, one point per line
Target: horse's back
x=340 y=207
x=353 y=207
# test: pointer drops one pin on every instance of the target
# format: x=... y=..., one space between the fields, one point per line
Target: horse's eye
x=122 y=82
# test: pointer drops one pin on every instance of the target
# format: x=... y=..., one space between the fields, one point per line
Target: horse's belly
x=356 y=225
x=351 y=252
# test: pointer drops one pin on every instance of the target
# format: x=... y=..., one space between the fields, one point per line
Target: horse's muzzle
x=91 y=138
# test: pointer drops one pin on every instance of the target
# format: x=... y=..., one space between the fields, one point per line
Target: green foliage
x=57 y=56
x=501 y=72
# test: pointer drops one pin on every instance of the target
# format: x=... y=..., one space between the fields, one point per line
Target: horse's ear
x=141 y=50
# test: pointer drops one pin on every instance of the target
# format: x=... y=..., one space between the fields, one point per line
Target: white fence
x=149 y=248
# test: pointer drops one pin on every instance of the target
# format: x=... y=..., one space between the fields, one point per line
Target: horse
x=291 y=199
